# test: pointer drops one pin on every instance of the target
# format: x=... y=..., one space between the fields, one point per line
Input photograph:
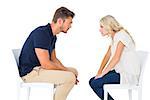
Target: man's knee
x=70 y=78
x=73 y=70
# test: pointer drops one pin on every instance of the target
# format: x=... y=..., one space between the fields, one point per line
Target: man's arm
x=54 y=58
x=46 y=63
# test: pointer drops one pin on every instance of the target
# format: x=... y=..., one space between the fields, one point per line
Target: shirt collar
x=50 y=30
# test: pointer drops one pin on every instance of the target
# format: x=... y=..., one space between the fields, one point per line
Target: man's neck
x=54 y=28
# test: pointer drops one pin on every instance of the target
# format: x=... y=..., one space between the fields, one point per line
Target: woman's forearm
x=104 y=62
x=110 y=66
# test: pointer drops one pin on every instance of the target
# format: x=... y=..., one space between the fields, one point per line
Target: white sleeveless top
x=128 y=65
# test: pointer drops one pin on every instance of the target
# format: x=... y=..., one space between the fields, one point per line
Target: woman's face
x=103 y=31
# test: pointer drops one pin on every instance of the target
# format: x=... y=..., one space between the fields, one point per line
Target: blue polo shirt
x=42 y=37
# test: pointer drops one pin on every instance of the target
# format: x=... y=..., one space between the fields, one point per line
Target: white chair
x=28 y=86
x=108 y=87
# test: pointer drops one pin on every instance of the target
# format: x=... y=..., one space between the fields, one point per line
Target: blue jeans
x=97 y=84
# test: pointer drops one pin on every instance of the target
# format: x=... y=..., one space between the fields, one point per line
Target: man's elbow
x=44 y=64
x=48 y=65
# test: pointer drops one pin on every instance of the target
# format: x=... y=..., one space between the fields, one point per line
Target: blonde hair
x=110 y=24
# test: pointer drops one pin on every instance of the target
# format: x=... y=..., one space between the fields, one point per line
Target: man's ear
x=60 y=21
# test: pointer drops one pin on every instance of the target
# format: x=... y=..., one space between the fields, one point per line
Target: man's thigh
x=50 y=76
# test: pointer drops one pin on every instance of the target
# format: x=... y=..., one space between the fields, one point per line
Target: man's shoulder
x=40 y=28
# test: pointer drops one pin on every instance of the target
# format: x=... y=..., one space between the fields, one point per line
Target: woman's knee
x=96 y=83
x=90 y=81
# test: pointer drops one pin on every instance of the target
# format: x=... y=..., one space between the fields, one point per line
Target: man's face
x=66 y=24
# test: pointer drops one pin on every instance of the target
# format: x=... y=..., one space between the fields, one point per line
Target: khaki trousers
x=63 y=80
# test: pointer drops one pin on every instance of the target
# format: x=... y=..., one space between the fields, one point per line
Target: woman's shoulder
x=122 y=34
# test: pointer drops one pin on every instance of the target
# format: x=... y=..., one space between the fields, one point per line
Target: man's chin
x=65 y=32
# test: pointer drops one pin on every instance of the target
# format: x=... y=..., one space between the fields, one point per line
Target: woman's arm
x=104 y=62
x=115 y=59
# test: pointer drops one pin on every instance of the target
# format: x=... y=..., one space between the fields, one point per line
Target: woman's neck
x=113 y=34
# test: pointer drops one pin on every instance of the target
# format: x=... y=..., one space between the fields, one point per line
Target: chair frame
x=108 y=87
x=28 y=86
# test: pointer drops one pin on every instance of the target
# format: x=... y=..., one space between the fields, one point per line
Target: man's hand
x=77 y=81
x=74 y=72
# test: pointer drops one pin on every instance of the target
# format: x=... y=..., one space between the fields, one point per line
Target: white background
x=82 y=47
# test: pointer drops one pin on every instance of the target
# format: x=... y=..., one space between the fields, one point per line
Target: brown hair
x=63 y=13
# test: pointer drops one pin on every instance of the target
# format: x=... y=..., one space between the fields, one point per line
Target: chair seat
x=37 y=85
x=119 y=86
x=108 y=87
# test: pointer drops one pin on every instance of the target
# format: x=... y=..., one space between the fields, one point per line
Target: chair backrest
x=143 y=55
x=16 y=53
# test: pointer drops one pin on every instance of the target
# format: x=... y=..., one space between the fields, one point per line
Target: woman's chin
x=103 y=34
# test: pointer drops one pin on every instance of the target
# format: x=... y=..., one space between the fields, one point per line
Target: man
x=38 y=62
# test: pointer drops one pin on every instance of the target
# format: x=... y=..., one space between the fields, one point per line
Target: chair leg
x=18 y=93
x=105 y=94
x=139 y=94
x=130 y=94
x=28 y=93
x=54 y=89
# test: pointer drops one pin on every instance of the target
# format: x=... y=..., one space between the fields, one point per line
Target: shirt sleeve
x=55 y=39
x=123 y=37
x=41 y=40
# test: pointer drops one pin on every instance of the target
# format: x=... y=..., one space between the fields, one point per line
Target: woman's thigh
x=110 y=78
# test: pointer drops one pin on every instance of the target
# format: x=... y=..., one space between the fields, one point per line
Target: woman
x=120 y=63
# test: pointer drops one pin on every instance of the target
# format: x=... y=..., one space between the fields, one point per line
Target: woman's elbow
x=117 y=59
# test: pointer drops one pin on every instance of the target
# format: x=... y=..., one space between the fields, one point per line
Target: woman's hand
x=98 y=76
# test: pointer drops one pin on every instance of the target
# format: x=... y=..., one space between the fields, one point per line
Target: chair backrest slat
x=142 y=57
x=16 y=53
